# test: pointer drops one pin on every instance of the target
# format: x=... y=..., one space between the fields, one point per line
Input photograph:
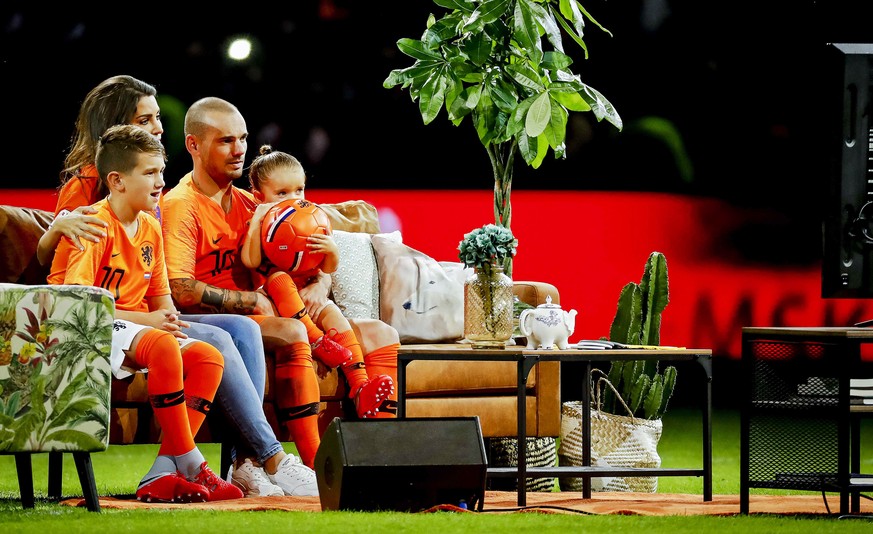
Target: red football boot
x=219 y=489
x=331 y=353
x=371 y=394
x=172 y=487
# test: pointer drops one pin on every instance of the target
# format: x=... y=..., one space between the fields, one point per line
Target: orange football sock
x=158 y=351
x=297 y=397
x=383 y=361
x=354 y=370
x=283 y=292
x=202 y=366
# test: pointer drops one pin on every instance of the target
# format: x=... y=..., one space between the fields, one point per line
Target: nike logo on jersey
x=215 y=241
x=116 y=254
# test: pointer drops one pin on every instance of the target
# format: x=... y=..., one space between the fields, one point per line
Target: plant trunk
x=502 y=157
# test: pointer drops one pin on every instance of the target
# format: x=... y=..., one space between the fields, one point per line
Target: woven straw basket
x=616 y=441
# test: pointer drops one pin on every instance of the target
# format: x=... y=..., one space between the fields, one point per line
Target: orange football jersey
x=131 y=268
x=202 y=242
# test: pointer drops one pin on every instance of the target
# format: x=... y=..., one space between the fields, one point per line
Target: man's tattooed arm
x=198 y=297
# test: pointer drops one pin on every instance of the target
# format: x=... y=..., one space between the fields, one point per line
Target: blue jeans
x=240 y=395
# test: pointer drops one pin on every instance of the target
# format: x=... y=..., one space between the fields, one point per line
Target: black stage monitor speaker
x=401 y=464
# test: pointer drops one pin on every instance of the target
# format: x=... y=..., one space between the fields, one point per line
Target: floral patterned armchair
x=55 y=380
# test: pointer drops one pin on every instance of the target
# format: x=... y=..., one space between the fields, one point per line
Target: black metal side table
x=526 y=360
x=799 y=429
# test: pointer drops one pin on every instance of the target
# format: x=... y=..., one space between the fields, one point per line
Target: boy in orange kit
x=129 y=262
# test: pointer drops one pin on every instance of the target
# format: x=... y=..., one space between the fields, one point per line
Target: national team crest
x=147 y=254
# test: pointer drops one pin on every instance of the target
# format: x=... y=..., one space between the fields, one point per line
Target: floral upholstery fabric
x=54 y=368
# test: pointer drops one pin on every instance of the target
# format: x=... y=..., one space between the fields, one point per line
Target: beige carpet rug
x=557 y=502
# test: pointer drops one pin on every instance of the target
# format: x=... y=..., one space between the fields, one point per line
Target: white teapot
x=547 y=325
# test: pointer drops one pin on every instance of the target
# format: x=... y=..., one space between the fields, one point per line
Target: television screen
x=847 y=268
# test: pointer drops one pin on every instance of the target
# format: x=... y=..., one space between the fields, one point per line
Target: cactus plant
x=638 y=322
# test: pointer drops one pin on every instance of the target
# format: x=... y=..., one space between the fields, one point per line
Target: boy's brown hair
x=119 y=147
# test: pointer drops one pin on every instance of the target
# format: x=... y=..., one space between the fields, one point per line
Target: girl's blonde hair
x=267 y=162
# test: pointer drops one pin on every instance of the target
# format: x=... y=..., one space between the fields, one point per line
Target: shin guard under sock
x=159 y=352
x=283 y=292
x=355 y=371
x=297 y=397
x=383 y=361
x=203 y=367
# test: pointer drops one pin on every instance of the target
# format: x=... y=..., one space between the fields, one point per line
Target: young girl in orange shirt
x=278 y=176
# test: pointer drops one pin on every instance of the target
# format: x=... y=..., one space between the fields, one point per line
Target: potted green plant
x=488 y=297
x=644 y=388
x=631 y=398
x=488 y=59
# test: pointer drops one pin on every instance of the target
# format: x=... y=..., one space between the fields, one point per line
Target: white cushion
x=420 y=298
x=355 y=284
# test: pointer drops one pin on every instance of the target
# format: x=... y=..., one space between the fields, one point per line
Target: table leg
x=401 y=388
x=706 y=363
x=521 y=412
x=586 y=429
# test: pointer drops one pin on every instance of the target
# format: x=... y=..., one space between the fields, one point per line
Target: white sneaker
x=254 y=482
x=295 y=478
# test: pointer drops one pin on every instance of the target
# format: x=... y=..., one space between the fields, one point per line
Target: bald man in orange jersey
x=205 y=222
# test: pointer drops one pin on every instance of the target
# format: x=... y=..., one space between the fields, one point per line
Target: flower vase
x=488 y=307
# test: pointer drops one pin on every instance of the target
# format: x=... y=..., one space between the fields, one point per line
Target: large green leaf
x=466 y=7
x=556 y=60
x=525 y=76
x=504 y=95
x=491 y=10
x=417 y=49
x=542 y=150
x=556 y=129
x=466 y=101
x=571 y=11
x=576 y=36
x=477 y=48
x=516 y=120
x=526 y=31
x=601 y=107
x=454 y=87
x=546 y=20
x=539 y=115
x=445 y=29
x=527 y=147
x=421 y=69
x=432 y=96
x=589 y=17
x=484 y=116
x=568 y=98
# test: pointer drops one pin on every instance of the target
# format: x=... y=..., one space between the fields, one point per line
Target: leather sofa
x=434 y=389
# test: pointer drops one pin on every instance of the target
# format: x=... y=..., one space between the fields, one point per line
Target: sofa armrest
x=535 y=293
x=20 y=230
